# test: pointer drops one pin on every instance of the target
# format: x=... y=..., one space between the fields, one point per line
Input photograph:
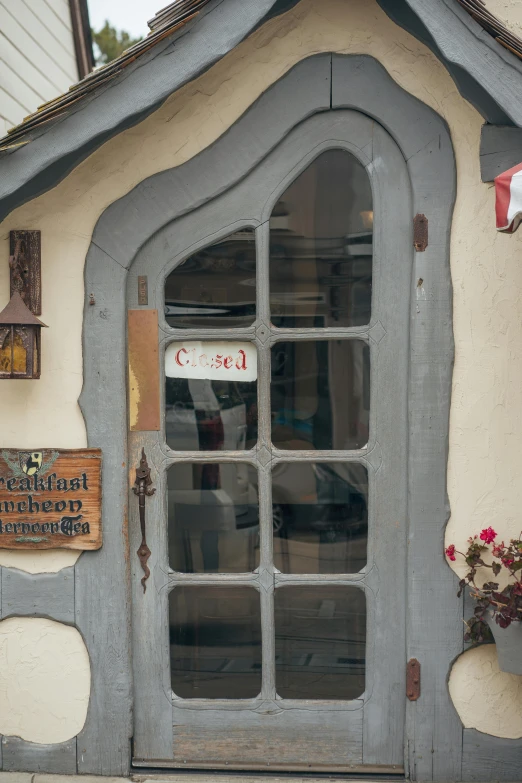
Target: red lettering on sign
x=241 y=361
x=198 y=360
x=178 y=357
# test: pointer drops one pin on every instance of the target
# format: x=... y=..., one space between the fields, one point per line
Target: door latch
x=413 y=679
x=143 y=488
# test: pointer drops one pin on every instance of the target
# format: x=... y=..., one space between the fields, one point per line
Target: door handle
x=143 y=488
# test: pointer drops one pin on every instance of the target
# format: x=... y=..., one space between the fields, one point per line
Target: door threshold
x=355 y=771
x=230 y=774
x=237 y=776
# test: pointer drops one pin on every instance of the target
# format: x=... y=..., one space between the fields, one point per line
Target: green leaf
x=111 y=43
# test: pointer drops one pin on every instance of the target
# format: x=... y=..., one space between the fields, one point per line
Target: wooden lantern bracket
x=25 y=268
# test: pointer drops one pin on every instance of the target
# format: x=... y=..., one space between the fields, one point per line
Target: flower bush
x=505 y=603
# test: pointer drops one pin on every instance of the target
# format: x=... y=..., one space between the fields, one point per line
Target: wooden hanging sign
x=50 y=499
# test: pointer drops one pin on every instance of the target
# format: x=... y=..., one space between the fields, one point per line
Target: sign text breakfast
x=50 y=499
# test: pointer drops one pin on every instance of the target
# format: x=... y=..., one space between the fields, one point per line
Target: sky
x=129 y=15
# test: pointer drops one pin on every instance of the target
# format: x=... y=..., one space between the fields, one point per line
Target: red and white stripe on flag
x=508 y=191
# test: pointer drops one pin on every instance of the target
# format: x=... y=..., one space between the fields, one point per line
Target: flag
x=508 y=192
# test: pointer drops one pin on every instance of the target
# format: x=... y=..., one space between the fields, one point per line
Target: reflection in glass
x=320 y=517
x=204 y=415
x=215 y=286
x=213 y=518
x=320 y=394
x=321 y=233
x=215 y=642
x=320 y=637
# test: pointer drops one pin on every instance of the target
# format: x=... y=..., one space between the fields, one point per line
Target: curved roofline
x=486 y=74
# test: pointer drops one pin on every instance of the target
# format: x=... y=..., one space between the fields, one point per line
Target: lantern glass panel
x=19 y=352
x=5 y=350
x=36 y=353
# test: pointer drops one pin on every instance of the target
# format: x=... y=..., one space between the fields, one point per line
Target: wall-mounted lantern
x=20 y=340
x=20 y=351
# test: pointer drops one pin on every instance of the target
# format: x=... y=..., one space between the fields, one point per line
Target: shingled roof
x=169 y=20
x=477 y=9
x=189 y=36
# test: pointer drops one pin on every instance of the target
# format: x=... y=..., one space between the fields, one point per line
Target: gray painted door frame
x=434 y=633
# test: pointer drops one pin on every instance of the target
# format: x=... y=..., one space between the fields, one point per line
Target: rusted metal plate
x=25 y=268
x=50 y=499
x=144 y=382
x=143 y=290
x=420 y=233
x=413 y=679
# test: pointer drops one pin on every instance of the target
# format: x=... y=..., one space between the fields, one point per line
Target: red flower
x=498 y=550
x=488 y=535
x=450 y=552
x=508 y=561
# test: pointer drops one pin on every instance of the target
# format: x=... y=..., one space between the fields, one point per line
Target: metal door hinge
x=413 y=679
x=420 y=233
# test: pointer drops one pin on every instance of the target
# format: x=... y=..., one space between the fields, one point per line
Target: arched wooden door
x=272 y=631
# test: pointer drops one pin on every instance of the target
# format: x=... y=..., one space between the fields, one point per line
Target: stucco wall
x=509 y=12
x=486 y=430
x=45 y=681
x=476 y=680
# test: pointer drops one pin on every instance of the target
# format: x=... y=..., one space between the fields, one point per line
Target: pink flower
x=488 y=535
x=508 y=561
x=498 y=550
x=450 y=552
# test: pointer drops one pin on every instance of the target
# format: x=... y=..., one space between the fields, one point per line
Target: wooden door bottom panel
x=288 y=738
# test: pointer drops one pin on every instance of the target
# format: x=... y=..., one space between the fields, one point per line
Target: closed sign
x=213 y=360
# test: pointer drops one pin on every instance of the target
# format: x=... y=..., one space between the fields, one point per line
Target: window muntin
x=321 y=233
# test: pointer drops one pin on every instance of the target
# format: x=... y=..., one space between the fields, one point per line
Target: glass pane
x=216 y=286
x=13 y=353
x=213 y=517
x=320 y=517
x=205 y=415
x=320 y=637
x=215 y=642
x=321 y=246
x=320 y=394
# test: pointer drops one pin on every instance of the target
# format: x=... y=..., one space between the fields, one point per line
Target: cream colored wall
x=486 y=428
x=509 y=12
x=476 y=683
x=45 y=680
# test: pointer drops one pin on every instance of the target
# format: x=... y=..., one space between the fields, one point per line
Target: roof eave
x=486 y=74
